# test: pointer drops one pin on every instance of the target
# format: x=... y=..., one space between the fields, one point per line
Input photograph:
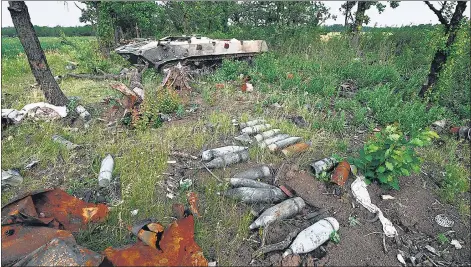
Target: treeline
x=45 y=31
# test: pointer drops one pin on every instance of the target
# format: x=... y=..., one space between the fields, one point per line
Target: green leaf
x=394 y=137
x=394 y=183
x=383 y=178
x=381 y=169
x=389 y=166
x=369 y=173
x=405 y=172
x=369 y=158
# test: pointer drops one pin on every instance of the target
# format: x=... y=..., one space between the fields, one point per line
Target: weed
x=389 y=155
x=442 y=239
x=454 y=183
x=180 y=111
x=353 y=221
x=167 y=101
x=335 y=237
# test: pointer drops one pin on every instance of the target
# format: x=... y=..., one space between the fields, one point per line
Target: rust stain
x=340 y=174
x=56 y=207
x=193 y=201
x=177 y=244
x=71 y=212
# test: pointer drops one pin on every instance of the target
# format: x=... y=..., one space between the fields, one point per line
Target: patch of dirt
x=412 y=212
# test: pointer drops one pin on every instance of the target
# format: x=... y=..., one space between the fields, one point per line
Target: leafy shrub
x=167 y=101
x=389 y=155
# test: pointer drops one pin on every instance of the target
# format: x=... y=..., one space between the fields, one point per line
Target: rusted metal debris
x=33 y=220
x=341 y=173
x=19 y=240
x=55 y=207
x=61 y=252
x=174 y=247
x=193 y=202
x=462 y=132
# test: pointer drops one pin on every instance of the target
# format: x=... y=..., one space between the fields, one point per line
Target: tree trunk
x=360 y=16
x=441 y=55
x=359 y=19
x=35 y=54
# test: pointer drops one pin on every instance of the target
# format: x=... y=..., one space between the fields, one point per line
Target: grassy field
x=301 y=73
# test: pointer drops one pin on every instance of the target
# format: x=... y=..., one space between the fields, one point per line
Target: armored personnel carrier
x=196 y=51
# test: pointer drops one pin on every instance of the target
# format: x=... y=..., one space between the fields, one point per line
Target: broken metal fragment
x=176 y=247
x=61 y=252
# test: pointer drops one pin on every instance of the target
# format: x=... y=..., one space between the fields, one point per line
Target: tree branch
x=439 y=14
x=81 y=9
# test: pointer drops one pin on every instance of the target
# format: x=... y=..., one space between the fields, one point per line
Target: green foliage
x=388 y=155
x=335 y=237
x=168 y=101
x=442 y=239
x=45 y=31
x=454 y=183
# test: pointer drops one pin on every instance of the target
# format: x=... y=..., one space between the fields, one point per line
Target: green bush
x=389 y=155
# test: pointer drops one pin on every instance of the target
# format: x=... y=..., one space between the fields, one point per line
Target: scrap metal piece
x=341 y=173
x=193 y=202
x=19 y=241
x=323 y=165
x=61 y=252
x=177 y=248
x=71 y=212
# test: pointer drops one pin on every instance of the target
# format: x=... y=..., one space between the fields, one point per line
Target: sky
x=53 y=13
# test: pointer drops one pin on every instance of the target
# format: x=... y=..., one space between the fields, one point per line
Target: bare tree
x=451 y=20
x=35 y=54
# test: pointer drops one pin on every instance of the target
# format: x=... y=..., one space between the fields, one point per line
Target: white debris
x=39 y=110
x=456 y=243
x=170 y=195
x=401 y=259
x=134 y=212
x=443 y=221
x=249 y=87
x=11 y=178
x=84 y=114
x=361 y=195
x=440 y=123
x=212 y=264
x=432 y=250
x=171 y=161
x=106 y=170
x=387 y=197
x=32 y=164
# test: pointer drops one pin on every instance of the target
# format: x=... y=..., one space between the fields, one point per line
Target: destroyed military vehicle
x=195 y=51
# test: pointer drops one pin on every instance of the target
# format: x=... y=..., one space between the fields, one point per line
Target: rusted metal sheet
x=61 y=252
x=70 y=213
x=341 y=173
x=18 y=240
x=175 y=248
x=148 y=231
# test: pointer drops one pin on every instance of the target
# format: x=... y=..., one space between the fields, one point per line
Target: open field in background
x=301 y=73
